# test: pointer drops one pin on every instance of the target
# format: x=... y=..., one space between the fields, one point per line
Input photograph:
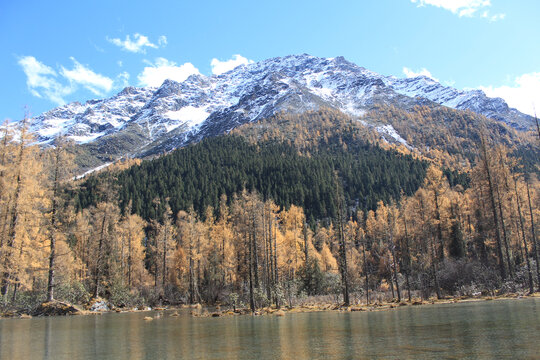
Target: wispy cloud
x=85 y=77
x=422 y=72
x=45 y=82
x=463 y=8
x=138 y=44
x=493 y=18
x=122 y=80
x=42 y=80
x=523 y=94
x=162 y=41
x=163 y=69
x=220 y=67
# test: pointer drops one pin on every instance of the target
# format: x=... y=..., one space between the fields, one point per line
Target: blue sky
x=56 y=52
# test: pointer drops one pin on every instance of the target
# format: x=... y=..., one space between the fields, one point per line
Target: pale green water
x=482 y=330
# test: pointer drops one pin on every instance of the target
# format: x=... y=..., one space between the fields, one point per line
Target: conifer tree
x=60 y=168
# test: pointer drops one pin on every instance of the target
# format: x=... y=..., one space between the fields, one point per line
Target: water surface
x=477 y=330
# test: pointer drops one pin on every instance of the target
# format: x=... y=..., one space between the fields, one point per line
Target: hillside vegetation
x=292 y=206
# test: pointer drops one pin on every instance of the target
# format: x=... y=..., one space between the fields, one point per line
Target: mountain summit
x=144 y=121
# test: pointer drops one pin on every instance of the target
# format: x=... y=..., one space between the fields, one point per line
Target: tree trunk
x=165 y=240
x=505 y=237
x=52 y=258
x=394 y=260
x=342 y=245
x=523 y=236
x=533 y=235
x=434 y=270
x=493 y=209
x=97 y=276
x=13 y=219
x=250 y=265
x=52 y=255
x=407 y=260
x=276 y=273
x=365 y=270
x=305 y=233
x=440 y=239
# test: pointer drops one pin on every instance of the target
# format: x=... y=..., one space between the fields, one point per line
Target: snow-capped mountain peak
x=152 y=119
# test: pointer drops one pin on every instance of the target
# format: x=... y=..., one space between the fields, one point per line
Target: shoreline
x=198 y=310
x=379 y=306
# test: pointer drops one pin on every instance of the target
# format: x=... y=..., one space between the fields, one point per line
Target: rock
x=100 y=306
x=279 y=313
x=148 y=318
x=216 y=314
x=56 y=308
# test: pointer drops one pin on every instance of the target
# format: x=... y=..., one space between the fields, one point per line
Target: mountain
x=146 y=121
x=198 y=175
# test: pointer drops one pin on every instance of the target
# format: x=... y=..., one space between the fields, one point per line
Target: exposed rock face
x=147 y=121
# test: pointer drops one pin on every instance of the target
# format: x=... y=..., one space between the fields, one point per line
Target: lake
x=474 y=330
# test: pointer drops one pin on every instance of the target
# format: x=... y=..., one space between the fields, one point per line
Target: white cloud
x=220 y=67
x=463 y=8
x=122 y=80
x=138 y=44
x=523 y=95
x=163 y=69
x=422 y=72
x=493 y=18
x=42 y=80
x=162 y=41
x=96 y=83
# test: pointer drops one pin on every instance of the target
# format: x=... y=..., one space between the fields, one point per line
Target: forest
x=315 y=207
x=199 y=174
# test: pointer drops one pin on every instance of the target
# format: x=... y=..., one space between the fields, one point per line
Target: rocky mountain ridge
x=145 y=121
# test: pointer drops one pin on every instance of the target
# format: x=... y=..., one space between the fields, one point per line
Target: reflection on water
x=481 y=330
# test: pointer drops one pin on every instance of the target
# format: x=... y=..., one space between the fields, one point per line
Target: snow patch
x=87 y=138
x=93 y=170
x=193 y=116
x=390 y=131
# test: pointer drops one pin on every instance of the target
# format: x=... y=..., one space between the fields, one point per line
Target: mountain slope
x=300 y=172
x=147 y=121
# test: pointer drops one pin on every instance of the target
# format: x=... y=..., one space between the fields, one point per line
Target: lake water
x=478 y=330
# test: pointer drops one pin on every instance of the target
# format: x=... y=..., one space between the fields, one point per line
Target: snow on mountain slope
x=149 y=120
x=474 y=100
x=86 y=122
